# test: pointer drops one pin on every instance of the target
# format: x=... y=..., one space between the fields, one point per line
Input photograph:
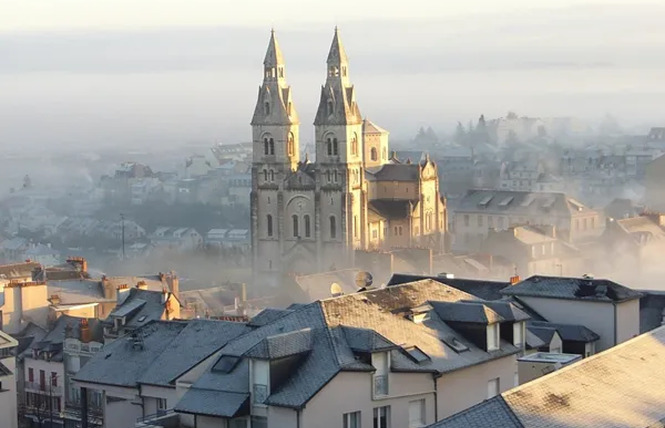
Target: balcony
x=43 y=389
x=380 y=385
x=161 y=419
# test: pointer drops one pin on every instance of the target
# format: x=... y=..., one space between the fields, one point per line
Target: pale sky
x=146 y=72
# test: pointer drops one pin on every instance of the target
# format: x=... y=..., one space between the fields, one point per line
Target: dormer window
x=493 y=337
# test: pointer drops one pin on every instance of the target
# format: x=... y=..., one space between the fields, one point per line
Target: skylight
x=226 y=363
x=417 y=355
x=455 y=344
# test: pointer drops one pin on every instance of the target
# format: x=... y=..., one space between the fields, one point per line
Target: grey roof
x=469 y=312
x=620 y=387
x=508 y=311
x=537 y=336
x=143 y=305
x=321 y=337
x=54 y=339
x=212 y=402
x=77 y=291
x=282 y=345
x=572 y=288
x=490 y=413
x=128 y=308
x=18 y=270
x=4 y=370
x=122 y=364
x=521 y=203
x=394 y=172
x=267 y=316
x=484 y=289
x=196 y=342
x=567 y=332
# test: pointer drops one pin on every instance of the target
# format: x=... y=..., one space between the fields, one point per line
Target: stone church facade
x=313 y=216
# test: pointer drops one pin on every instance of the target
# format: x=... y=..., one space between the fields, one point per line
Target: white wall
x=597 y=316
x=352 y=391
x=628 y=320
x=464 y=388
x=8 y=411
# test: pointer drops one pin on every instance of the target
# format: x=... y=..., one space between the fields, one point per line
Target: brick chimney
x=109 y=291
x=141 y=285
x=173 y=283
x=80 y=263
x=86 y=334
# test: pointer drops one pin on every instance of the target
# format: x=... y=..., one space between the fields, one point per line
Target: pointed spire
x=274 y=53
x=337 y=55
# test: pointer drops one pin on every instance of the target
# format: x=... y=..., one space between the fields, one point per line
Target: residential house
x=610 y=310
x=483 y=210
x=46 y=370
x=8 y=393
x=137 y=307
x=178 y=239
x=620 y=387
x=411 y=354
x=153 y=367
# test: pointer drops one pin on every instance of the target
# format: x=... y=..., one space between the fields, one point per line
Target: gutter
x=616 y=334
x=436 y=398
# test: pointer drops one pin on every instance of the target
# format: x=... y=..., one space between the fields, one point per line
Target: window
x=466 y=220
x=335 y=176
x=238 y=423
x=54 y=379
x=269 y=224
x=518 y=334
x=373 y=155
x=328 y=173
x=266 y=147
x=330 y=107
x=259 y=422
x=382 y=417
x=329 y=146
x=295 y=225
x=333 y=227
x=272 y=146
x=31 y=375
x=493 y=337
x=161 y=404
x=272 y=175
x=502 y=222
x=265 y=174
x=266 y=108
x=42 y=379
x=351 y=420
x=290 y=143
x=335 y=147
x=480 y=220
x=355 y=226
x=307 y=227
x=354 y=145
x=417 y=413
x=493 y=388
x=375 y=234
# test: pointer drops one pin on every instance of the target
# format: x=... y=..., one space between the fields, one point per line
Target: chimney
x=141 y=285
x=121 y=293
x=109 y=291
x=174 y=283
x=80 y=263
x=165 y=295
x=515 y=279
x=86 y=334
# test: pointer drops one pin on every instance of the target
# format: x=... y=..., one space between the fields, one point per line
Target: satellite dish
x=336 y=289
x=364 y=279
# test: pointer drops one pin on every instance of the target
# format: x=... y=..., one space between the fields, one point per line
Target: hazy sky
x=144 y=72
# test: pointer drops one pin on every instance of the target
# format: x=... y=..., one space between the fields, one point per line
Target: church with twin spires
x=311 y=217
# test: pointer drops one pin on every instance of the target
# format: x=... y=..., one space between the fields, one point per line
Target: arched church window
x=290 y=144
x=266 y=148
x=333 y=227
x=307 y=226
x=335 y=147
x=266 y=108
x=329 y=176
x=354 y=145
x=269 y=224
x=272 y=175
x=265 y=175
x=329 y=146
x=373 y=154
x=294 y=218
x=335 y=176
x=272 y=146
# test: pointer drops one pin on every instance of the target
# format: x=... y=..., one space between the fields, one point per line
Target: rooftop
x=620 y=387
x=555 y=287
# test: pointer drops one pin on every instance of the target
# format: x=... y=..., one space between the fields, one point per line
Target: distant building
x=655 y=190
x=176 y=238
x=483 y=210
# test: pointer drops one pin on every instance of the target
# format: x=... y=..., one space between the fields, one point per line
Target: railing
x=159 y=414
x=380 y=385
x=43 y=389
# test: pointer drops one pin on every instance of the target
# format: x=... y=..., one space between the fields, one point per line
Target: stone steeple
x=275 y=104
x=338 y=102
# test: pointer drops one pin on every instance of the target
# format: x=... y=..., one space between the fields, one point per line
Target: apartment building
x=480 y=211
x=621 y=387
x=8 y=394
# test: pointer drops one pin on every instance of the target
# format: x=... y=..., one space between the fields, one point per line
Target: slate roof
x=267 y=316
x=77 y=291
x=4 y=370
x=520 y=203
x=484 y=289
x=18 y=270
x=491 y=413
x=620 y=387
x=567 y=332
x=143 y=305
x=54 y=339
x=652 y=310
x=571 y=288
x=321 y=338
x=466 y=312
x=392 y=209
x=196 y=342
x=370 y=127
x=394 y=172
